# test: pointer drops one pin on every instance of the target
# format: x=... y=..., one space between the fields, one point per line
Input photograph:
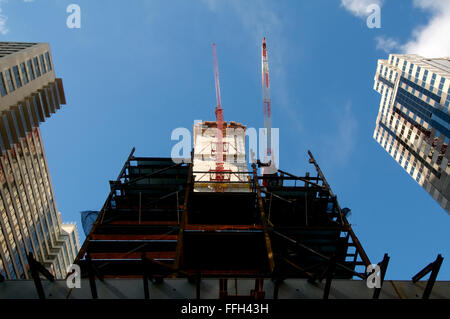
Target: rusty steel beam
x=184 y=220
x=91 y=274
x=303 y=179
x=263 y=221
x=223 y=288
x=150 y=174
x=329 y=275
x=300 y=269
x=434 y=268
x=355 y=239
x=136 y=222
x=293 y=241
x=133 y=237
x=383 y=268
x=35 y=269
x=134 y=255
x=222 y=227
x=100 y=216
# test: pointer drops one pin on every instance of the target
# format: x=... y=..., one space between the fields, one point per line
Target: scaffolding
x=153 y=225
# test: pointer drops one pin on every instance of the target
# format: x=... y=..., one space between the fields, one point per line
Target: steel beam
x=383 y=267
x=329 y=276
x=145 y=277
x=434 y=268
x=223 y=288
x=91 y=274
x=184 y=220
x=36 y=268
x=355 y=239
x=318 y=254
x=263 y=221
x=100 y=217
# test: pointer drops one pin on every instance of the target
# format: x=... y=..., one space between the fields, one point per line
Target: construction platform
x=286 y=238
x=292 y=228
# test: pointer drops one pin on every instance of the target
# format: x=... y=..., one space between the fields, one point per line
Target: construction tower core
x=234 y=175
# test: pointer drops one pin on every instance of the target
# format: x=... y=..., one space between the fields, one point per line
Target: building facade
x=235 y=173
x=413 y=123
x=29 y=218
x=69 y=251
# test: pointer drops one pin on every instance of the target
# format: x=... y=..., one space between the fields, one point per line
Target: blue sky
x=136 y=70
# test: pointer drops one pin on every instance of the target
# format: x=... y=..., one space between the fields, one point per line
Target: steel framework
x=153 y=225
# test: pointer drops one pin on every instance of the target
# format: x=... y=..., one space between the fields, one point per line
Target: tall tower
x=29 y=219
x=413 y=124
x=219 y=161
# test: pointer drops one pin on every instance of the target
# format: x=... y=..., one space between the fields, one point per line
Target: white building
x=236 y=178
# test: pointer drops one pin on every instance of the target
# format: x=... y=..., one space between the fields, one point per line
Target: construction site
x=214 y=227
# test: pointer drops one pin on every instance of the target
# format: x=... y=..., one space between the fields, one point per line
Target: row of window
x=421 y=89
x=409 y=149
x=424 y=77
x=34 y=225
x=22 y=74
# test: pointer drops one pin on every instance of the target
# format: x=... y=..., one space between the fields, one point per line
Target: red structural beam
x=134 y=237
x=134 y=255
x=136 y=222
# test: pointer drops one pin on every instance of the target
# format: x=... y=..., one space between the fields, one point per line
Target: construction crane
x=266 y=100
x=269 y=165
x=219 y=172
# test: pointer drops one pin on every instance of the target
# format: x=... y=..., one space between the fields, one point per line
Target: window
x=44 y=69
x=17 y=76
x=30 y=68
x=9 y=80
x=74 y=239
x=2 y=85
x=418 y=177
x=36 y=66
x=49 y=63
x=433 y=79
x=441 y=84
x=24 y=73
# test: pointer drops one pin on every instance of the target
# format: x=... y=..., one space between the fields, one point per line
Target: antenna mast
x=266 y=98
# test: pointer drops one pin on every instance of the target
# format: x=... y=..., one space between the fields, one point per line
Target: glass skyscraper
x=413 y=123
x=29 y=217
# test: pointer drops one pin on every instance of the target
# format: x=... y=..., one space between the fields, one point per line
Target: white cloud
x=211 y=4
x=359 y=7
x=3 y=27
x=344 y=141
x=431 y=40
x=388 y=45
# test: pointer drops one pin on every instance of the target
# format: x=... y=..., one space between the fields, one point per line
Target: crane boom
x=219 y=121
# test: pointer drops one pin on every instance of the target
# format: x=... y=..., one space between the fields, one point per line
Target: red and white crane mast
x=219 y=121
x=268 y=156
